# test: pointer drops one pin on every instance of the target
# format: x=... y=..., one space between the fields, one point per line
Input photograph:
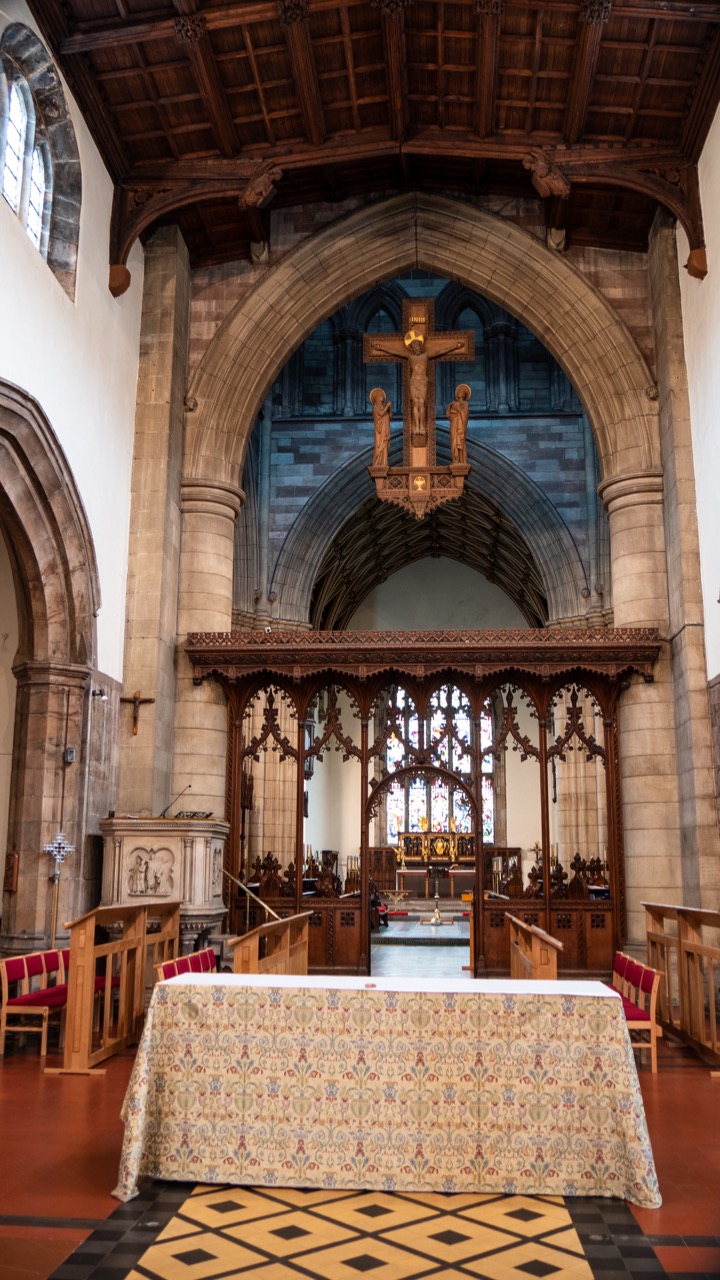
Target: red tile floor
x=60 y=1139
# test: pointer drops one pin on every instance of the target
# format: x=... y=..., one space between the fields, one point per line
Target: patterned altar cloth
x=513 y=1087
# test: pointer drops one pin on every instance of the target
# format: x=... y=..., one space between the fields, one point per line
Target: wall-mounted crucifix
x=419 y=484
x=137 y=702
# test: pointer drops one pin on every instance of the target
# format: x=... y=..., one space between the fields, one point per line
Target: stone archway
x=449 y=238
x=57 y=590
x=493 y=478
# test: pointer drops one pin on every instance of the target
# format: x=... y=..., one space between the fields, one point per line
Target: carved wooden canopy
x=544 y=655
x=207 y=110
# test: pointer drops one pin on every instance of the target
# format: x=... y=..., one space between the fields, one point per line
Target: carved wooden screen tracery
x=554 y=698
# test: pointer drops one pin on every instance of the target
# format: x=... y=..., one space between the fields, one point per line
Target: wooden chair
x=620 y=964
x=28 y=1011
x=641 y=1014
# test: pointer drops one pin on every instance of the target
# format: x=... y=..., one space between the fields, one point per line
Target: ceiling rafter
x=191 y=32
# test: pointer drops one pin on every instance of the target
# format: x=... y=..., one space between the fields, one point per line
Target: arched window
x=430 y=804
x=26 y=168
x=40 y=174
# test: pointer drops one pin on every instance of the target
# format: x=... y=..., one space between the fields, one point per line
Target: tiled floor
x=60 y=1141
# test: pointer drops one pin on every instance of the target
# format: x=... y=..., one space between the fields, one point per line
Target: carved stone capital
x=189 y=28
x=204 y=497
x=637 y=489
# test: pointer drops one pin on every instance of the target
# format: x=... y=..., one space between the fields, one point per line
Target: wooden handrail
x=93 y=1034
x=533 y=952
x=687 y=1005
x=278 y=946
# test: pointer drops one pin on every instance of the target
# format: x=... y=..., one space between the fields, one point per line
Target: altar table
x=506 y=1087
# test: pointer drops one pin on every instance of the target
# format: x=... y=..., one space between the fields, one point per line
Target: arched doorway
x=56 y=588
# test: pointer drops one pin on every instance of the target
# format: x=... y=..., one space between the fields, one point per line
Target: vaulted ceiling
x=208 y=112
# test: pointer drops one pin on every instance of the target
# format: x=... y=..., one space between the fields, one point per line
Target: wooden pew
x=533 y=953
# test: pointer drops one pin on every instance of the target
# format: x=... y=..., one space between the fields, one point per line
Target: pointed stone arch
x=445 y=237
x=541 y=534
x=58 y=595
x=49 y=535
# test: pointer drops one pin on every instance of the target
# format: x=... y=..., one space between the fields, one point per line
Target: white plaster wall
x=522 y=782
x=79 y=360
x=701 y=321
x=8 y=649
x=436 y=593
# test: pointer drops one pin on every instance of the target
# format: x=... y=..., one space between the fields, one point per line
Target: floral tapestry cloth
x=396 y=1090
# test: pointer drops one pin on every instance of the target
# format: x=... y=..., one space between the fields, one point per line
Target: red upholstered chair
x=166 y=970
x=620 y=964
x=631 y=984
x=33 y=1001
x=641 y=1015
x=183 y=964
x=209 y=964
x=195 y=962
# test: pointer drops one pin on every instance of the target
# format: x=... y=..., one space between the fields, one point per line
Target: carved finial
x=489 y=8
x=189 y=28
x=390 y=8
x=595 y=11
x=292 y=12
x=261 y=186
x=546 y=177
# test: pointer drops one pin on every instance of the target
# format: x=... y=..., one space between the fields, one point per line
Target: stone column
x=209 y=511
x=647 y=737
x=49 y=790
x=153 y=556
x=699 y=842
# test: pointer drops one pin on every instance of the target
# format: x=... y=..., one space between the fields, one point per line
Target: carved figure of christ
x=417 y=349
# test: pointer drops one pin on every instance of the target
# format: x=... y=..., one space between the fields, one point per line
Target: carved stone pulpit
x=148 y=860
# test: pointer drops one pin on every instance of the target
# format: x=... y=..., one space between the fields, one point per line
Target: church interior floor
x=60 y=1140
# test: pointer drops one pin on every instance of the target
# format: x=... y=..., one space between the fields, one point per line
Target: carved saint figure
x=418 y=357
x=458 y=411
x=382 y=413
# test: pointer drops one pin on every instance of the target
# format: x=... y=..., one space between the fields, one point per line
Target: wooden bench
x=34 y=989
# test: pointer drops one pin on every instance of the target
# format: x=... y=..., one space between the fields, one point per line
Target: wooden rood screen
x=550 y=695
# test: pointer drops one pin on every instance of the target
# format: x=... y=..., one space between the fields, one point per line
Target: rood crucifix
x=419 y=484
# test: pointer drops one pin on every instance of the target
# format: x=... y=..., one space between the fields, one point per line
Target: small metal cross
x=59 y=849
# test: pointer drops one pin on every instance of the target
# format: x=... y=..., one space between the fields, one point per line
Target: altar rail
x=533 y=953
x=107 y=980
x=688 y=998
x=281 y=946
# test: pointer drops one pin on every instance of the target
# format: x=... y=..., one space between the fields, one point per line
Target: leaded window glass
x=14 y=157
x=36 y=202
x=433 y=804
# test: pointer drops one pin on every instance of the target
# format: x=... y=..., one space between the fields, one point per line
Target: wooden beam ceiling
x=534 y=101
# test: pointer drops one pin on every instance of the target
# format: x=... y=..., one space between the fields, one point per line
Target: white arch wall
x=701 y=324
x=79 y=361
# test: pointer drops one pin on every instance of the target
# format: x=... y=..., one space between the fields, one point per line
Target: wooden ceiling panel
x=353 y=98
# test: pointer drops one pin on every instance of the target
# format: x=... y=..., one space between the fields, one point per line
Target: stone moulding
x=614 y=652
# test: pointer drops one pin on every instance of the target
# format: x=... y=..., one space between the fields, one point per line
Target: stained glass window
x=431 y=804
